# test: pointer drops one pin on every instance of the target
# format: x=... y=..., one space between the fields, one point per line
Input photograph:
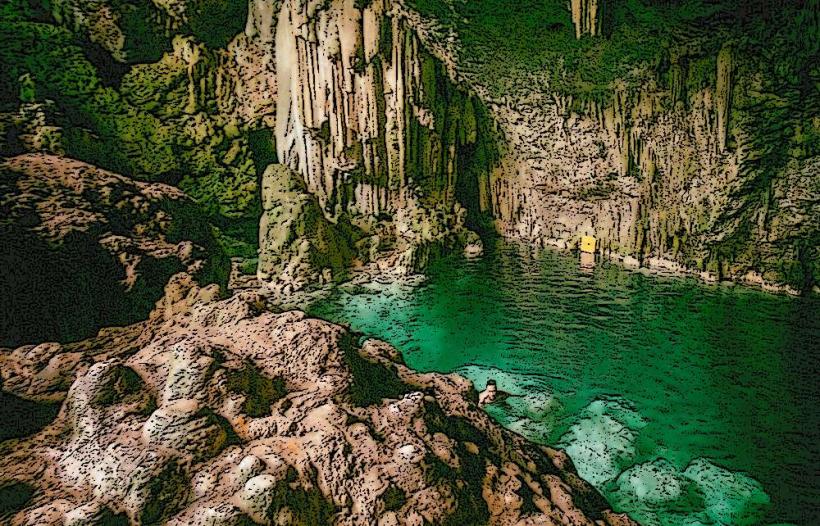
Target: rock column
x=586 y=16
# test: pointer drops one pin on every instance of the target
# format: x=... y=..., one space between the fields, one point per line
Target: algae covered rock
x=297 y=243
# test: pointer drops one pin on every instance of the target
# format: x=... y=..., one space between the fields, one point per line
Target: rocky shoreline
x=221 y=412
x=668 y=267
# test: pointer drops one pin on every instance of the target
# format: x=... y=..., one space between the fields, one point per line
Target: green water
x=683 y=403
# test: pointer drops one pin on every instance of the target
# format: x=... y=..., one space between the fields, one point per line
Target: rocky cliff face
x=703 y=156
x=673 y=161
x=374 y=125
x=84 y=248
x=221 y=413
x=672 y=169
x=663 y=177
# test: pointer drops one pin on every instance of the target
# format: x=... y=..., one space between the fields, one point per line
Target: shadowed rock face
x=219 y=412
x=297 y=242
x=84 y=248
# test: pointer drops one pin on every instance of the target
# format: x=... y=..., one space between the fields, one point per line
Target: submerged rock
x=157 y=428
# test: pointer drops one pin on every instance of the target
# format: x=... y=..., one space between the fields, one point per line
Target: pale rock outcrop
x=587 y=16
x=220 y=412
x=298 y=245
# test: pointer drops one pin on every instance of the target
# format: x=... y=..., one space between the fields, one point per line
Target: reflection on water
x=684 y=403
x=587 y=262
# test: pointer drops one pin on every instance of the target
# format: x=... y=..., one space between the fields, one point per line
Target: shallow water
x=683 y=403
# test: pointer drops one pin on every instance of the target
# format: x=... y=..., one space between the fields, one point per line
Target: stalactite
x=677 y=82
x=723 y=94
x=587 y=16
x=392 y=113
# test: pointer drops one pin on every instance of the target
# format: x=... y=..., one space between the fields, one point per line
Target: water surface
x=684 y=403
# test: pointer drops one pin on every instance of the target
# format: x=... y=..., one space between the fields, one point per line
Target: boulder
x=84 y=248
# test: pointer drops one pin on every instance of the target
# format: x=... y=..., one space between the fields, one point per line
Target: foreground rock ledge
x=221 y=413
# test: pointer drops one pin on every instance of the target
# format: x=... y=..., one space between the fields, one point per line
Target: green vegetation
x=216 y=22
x=260 y=392
x=308 y=507
x=13 y=497
x=372 y=381
x=393 y=498
x=141 y=23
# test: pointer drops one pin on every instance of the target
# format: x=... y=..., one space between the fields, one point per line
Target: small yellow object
x=588 y=244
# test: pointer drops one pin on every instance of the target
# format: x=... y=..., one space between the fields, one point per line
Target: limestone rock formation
x=667 y=174
x=219 y=412
x=587 y=16
x=370 y=119
x=672 y=165
x=697 y=156
x=365 y=110
x=658 y=185
x=84 y=248
x=298 y=245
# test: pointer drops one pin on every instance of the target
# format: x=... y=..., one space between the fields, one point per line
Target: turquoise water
x=683 y=403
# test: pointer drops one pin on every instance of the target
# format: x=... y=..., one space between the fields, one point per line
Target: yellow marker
x=588 y=244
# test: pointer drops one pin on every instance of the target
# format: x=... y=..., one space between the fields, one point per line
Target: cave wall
x=706 y=161
x=370 y=118
x=382 y=137
x=707 y=166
